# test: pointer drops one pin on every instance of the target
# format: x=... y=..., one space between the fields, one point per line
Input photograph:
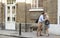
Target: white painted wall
x=59 y=7
x=54 y=29
x=0 y=0
x=10 y=26
x=3 y=1
x=58 y=10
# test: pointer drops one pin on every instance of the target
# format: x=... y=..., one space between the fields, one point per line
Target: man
x=40 y=23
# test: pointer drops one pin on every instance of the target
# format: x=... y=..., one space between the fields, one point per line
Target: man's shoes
x=41 y=35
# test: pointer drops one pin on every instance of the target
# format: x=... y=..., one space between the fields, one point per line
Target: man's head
x=43 y=13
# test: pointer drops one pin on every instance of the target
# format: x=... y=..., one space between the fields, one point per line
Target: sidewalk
x=9 y=33
x=24 y=34
x=15 y=33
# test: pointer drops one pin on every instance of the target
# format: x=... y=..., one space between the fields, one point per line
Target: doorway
x=10 y=17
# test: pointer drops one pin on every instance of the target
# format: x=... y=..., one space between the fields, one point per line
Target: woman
x=47 y=23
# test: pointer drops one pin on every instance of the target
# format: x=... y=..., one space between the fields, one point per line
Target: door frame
x=11 y=5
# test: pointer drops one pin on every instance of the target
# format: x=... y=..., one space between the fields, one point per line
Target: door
x=10 y=17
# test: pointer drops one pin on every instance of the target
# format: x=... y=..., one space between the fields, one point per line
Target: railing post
x=26 y=27
x=20 y=29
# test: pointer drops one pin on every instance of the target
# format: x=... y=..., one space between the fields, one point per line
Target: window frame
x=34 y=4
x=11 y=1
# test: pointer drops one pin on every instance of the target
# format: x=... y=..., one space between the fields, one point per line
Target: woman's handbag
x=47 y=22
x=36 y=20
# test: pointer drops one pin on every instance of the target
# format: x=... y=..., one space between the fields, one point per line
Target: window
x=13 y=18
x=8 y=8
x=13 y=9
x=11 y=1
x=8 y=18
x=34 y=4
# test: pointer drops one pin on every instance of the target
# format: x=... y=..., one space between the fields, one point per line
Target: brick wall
x=50 y=7
x=2 y=13
x=20 y=12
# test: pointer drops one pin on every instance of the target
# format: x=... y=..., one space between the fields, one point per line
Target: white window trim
x=39 y=9
x=31 y=3
x=34 y=4
x=37 y=3
x=35 y=8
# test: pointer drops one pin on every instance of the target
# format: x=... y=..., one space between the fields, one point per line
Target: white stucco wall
x=58 y=10
x=0 y=0
x=59 y=7
x=54 y=29
x=3 y=1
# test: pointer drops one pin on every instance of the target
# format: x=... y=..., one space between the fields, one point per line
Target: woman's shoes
x=40 y=35
x=47 y=35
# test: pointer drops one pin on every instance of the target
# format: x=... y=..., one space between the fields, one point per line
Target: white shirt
x=41 y=18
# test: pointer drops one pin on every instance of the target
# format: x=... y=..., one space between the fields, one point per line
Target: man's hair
x=42 y=13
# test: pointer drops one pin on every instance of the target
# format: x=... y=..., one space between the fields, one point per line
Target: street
x=51 y=36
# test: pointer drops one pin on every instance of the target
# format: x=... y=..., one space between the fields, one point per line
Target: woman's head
x=45 y=14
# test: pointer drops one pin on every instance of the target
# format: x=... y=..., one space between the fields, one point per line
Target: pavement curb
x=15 y=36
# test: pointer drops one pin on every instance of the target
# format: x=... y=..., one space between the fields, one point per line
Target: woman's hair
x=47 y=16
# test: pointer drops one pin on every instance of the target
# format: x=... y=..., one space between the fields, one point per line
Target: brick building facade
x=49 y=6
x=29 y=12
